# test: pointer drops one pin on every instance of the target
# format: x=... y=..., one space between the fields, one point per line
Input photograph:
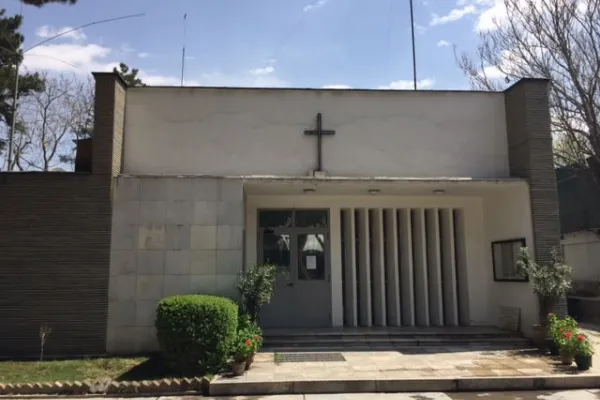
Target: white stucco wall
x=582 y=252
x=230 y=132
x=507 y=215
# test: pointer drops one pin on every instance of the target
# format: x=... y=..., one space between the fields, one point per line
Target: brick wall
x=530 y=156
x=55 y=245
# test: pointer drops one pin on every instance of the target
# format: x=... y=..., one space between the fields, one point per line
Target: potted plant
x=566 y=344
x=553 y=321
x=242 y=350
x=550 y=282
x=558 y=327
x=583 y=350
x=257 y=285
x=249 y=330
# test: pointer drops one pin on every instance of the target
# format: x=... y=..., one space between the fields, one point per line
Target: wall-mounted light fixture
x=438 y=192
x=308 y=190
x=374 y=191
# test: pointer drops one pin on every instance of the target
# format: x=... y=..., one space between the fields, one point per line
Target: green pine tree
x=10 y=56
x=129 y=76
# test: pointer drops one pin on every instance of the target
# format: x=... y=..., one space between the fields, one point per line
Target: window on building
x=505 y=254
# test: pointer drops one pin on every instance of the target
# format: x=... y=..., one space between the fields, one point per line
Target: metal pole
x=412 y=31
x=13 y=125
x=183 y=50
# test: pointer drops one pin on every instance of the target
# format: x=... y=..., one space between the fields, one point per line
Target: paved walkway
x=411 y=363
x=562 y=395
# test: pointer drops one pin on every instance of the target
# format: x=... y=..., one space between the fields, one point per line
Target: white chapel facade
x=380 y=208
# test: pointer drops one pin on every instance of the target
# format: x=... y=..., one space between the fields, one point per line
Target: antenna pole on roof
x=183 y=49
x=412 y=31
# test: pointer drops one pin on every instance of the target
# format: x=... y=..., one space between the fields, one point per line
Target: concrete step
x=392 y=340
x=345 y=340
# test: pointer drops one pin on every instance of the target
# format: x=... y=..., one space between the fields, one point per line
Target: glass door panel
x=311 y=256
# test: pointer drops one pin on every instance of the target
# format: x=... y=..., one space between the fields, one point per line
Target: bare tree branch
x=51 y=120
x=554 y=39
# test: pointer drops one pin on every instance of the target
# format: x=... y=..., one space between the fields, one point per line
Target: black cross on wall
x=319 y=132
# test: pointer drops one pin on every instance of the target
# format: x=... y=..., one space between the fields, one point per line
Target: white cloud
x=242 y=79
x=81 y=58
x=268 y=70
x=409 y=84
x=454 y=15
x=47 y=31
x=493 y=72
x=85 y=58
x=420 y=29
x=313 y=6
x=506 y=63
x=492 y=16
x=151 y=79
x=443 y=43
x=337 y=86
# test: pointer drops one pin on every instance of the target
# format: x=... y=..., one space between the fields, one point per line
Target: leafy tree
x=558 y=40
x=40 y=3
x=10 y=56
x=129 y=76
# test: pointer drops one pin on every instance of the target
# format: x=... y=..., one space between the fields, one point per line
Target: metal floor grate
x=308 y=357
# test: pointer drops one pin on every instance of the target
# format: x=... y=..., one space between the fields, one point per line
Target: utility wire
x=286 y=38
x=81 y=27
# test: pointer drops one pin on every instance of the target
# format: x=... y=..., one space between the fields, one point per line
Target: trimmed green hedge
x=196 y=332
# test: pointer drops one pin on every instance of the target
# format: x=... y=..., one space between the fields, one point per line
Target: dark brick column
x=530 y=157
x=109 y=123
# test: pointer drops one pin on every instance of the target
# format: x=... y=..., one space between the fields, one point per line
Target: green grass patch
x=116 y=368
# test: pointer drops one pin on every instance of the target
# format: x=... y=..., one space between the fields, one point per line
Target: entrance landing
x=419 y=370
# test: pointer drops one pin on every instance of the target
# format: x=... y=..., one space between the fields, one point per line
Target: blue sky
x=299 y=43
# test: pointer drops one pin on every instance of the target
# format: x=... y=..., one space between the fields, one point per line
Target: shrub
x=550 y=281
x=257 y=285
x=196 y=332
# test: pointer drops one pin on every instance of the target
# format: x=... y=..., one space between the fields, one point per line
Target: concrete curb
x=77 y=388
x=224 y=387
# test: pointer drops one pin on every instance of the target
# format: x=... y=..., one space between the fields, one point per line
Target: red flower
x=581 y=338
x=569 y=335
x=248 y=342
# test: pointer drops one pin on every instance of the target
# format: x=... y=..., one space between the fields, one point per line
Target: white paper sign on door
x=311 y=262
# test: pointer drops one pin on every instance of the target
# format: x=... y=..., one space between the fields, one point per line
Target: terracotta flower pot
x=249 y=361
x=583 y=362
x=238 y=367
x=566 y=357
